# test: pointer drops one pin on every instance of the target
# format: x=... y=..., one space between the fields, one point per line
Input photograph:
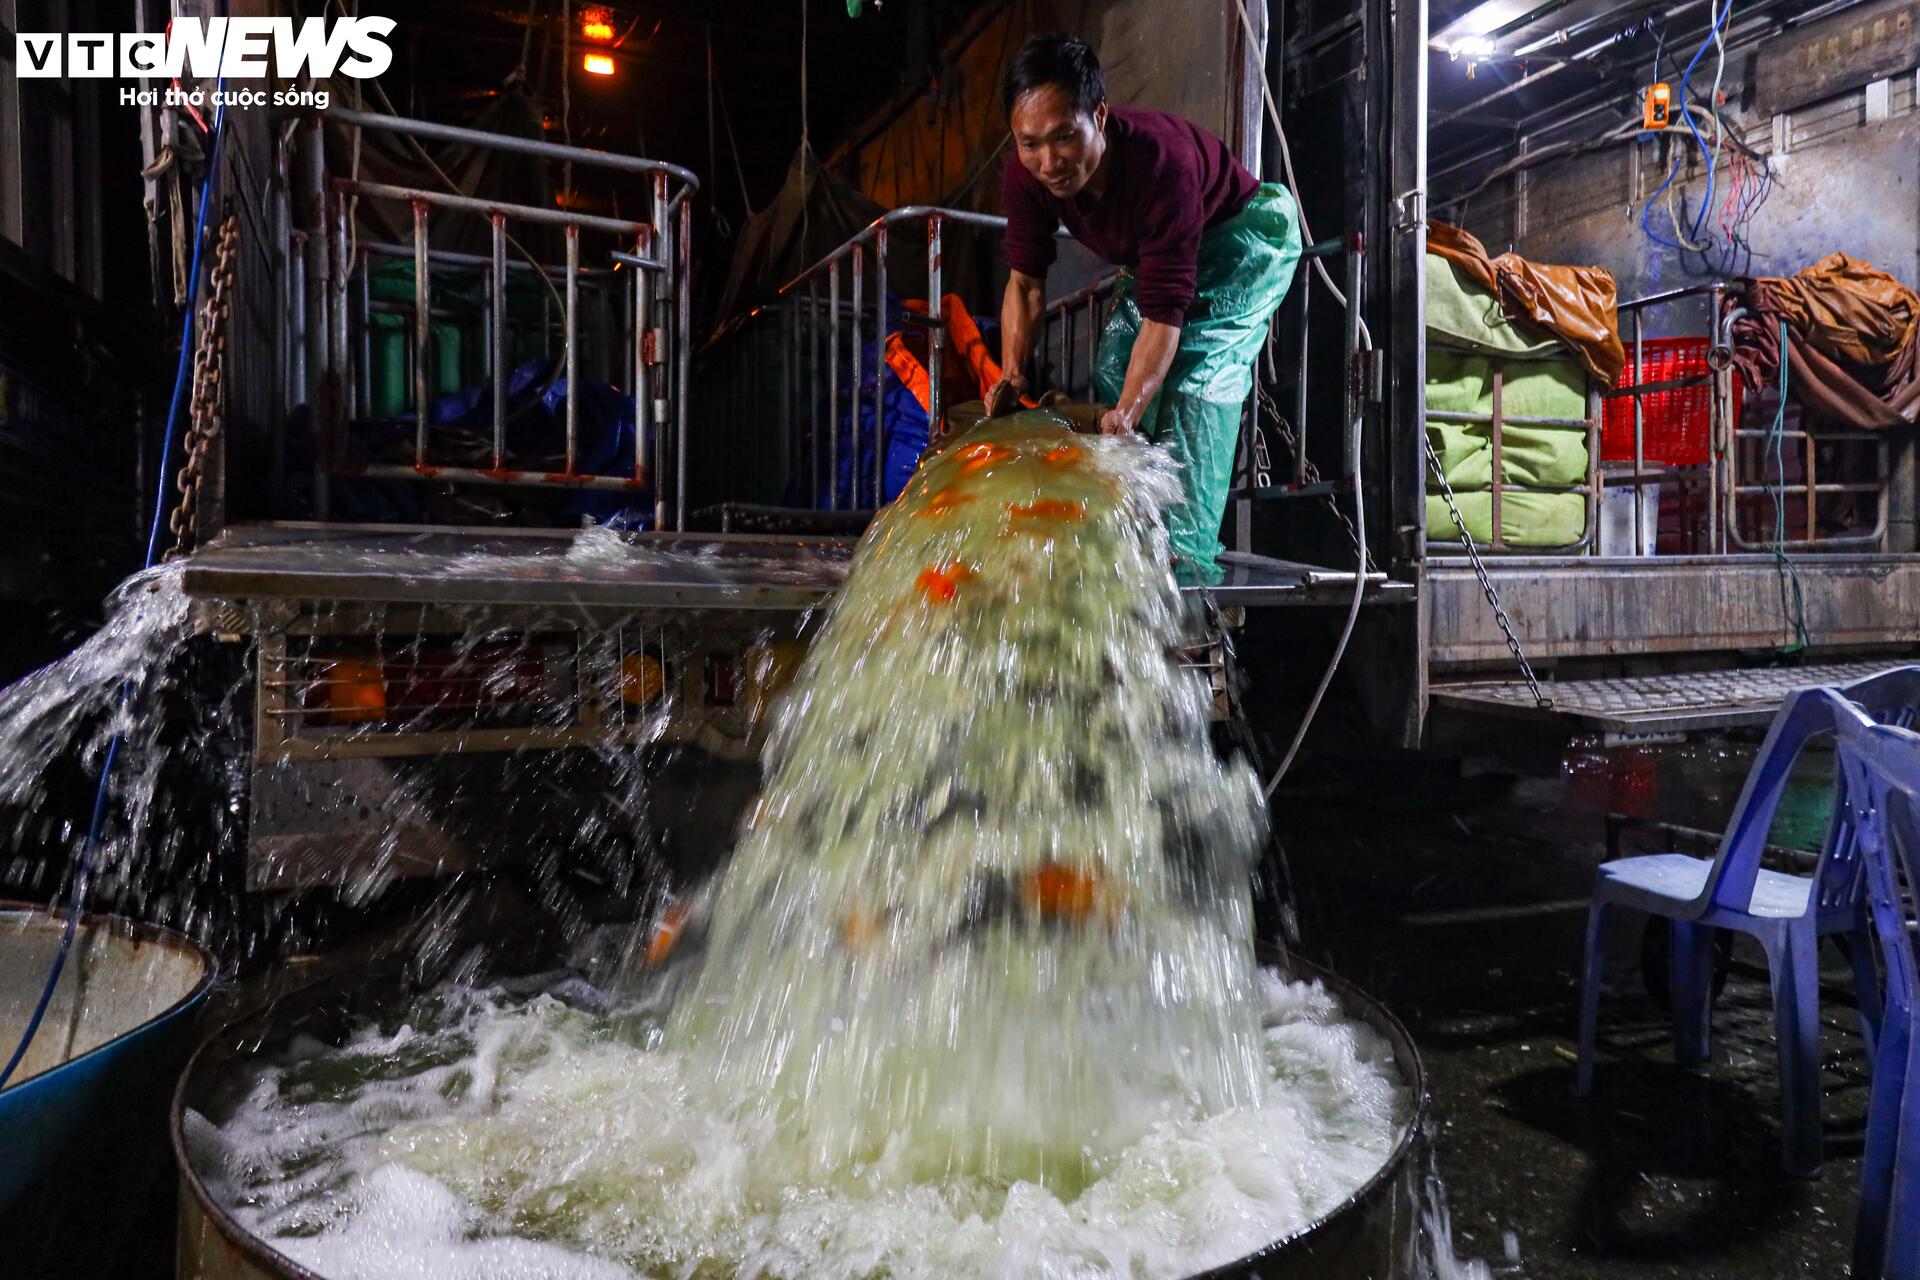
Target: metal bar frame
x=343 y=388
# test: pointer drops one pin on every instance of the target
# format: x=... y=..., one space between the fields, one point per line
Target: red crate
x=1677 y=424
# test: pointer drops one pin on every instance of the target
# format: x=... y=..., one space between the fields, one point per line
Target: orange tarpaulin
x=965 y=344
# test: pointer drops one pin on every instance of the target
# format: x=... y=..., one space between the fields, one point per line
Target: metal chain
x=209 y=391
x=1308 y=469
x=1540 y=698
x=1263 y=459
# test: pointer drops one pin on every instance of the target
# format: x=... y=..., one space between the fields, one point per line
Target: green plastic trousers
x=1246 y=264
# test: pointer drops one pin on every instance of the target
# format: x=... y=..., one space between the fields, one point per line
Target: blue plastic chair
x=1882 y=768
x=1786 y=914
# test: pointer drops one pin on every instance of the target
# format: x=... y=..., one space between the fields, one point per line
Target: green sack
x=1462 y=382
x=1246 y=264
x=1461 y=312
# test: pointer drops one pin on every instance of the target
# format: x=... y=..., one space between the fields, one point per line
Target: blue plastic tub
x=85 y=1174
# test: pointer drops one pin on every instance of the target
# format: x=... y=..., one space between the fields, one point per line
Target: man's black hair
x=1062 y=60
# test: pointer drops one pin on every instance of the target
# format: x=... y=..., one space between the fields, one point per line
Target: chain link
x=1311 y=473
x=1540 y=698
x=209 y=390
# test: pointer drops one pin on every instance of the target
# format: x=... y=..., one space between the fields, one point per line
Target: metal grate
x=1647 y=704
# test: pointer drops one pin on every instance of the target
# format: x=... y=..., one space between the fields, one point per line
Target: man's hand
x=1116 y=422
x=1003 y=397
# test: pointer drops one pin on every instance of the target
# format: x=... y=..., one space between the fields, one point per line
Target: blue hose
x=84 y=872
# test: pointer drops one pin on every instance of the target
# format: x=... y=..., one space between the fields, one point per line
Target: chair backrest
x=1892 y=698
x=1882 y=767
x=1806 y=714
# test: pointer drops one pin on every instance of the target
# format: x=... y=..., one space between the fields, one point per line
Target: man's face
x=1058 y=145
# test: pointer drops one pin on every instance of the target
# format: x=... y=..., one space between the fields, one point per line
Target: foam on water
x=482 y=1134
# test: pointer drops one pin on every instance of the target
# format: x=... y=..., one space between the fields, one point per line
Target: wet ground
x=1462 y=907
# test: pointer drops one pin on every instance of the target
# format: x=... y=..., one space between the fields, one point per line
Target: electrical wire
x=1789 y=573
x=83 y=869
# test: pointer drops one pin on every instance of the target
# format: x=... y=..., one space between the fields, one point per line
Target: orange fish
x=666 y=934
x=1048 y=509
x=944 y=501
x=858 y=929
x=981 y=454
x=1063 y=455
x=941 y=583
x=1060 y=892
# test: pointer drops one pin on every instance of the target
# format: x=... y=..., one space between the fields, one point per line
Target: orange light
x=641 y=678
x=597 y=64
x=355 y=691
x=596 y=24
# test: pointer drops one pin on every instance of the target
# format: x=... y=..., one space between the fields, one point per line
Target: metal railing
x=1718 y=383
x=812 y=393
x=1739 y=446
x=825 y=320
x=1734 y=449
x=1498 y=486
x=655 y=315
x=819 y=431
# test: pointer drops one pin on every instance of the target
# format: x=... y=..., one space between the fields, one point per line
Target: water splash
x=991 y=916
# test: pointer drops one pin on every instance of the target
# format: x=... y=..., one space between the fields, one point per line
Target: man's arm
x=1146 y=370
x=1020 y=310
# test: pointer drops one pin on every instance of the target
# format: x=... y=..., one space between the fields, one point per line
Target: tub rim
x=126 y=926
x=1353 y=1001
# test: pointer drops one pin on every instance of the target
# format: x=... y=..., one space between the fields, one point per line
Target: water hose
x=83 y=872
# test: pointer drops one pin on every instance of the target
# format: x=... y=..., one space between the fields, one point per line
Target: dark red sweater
x=1168 y=180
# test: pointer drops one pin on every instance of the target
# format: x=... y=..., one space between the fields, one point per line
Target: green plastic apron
x=1245 y=266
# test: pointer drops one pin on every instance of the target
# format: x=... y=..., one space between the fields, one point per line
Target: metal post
x=282 y=329
x=833 y=386
x=1496 y=539
x=320 y=406
x=879 y=365
x=1355 y=372
x=936 y=331
x=497 y=307
x=1300 y=378
x=813 y=381
x=1639 y=428
x=546 y=314
x=422 y=331
x=1065 y=317
x=1243 y=507
x=642 y=404
x=789 y=338
x=683 y=347
x=340 y=371
x=1093 y=339
x=853 y=390
x=661 y=329
x=570 y=335
x=297 y=301
x=1720 y=442
x=363 y=367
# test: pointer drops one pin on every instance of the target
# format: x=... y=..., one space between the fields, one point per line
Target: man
x=1209 y=252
